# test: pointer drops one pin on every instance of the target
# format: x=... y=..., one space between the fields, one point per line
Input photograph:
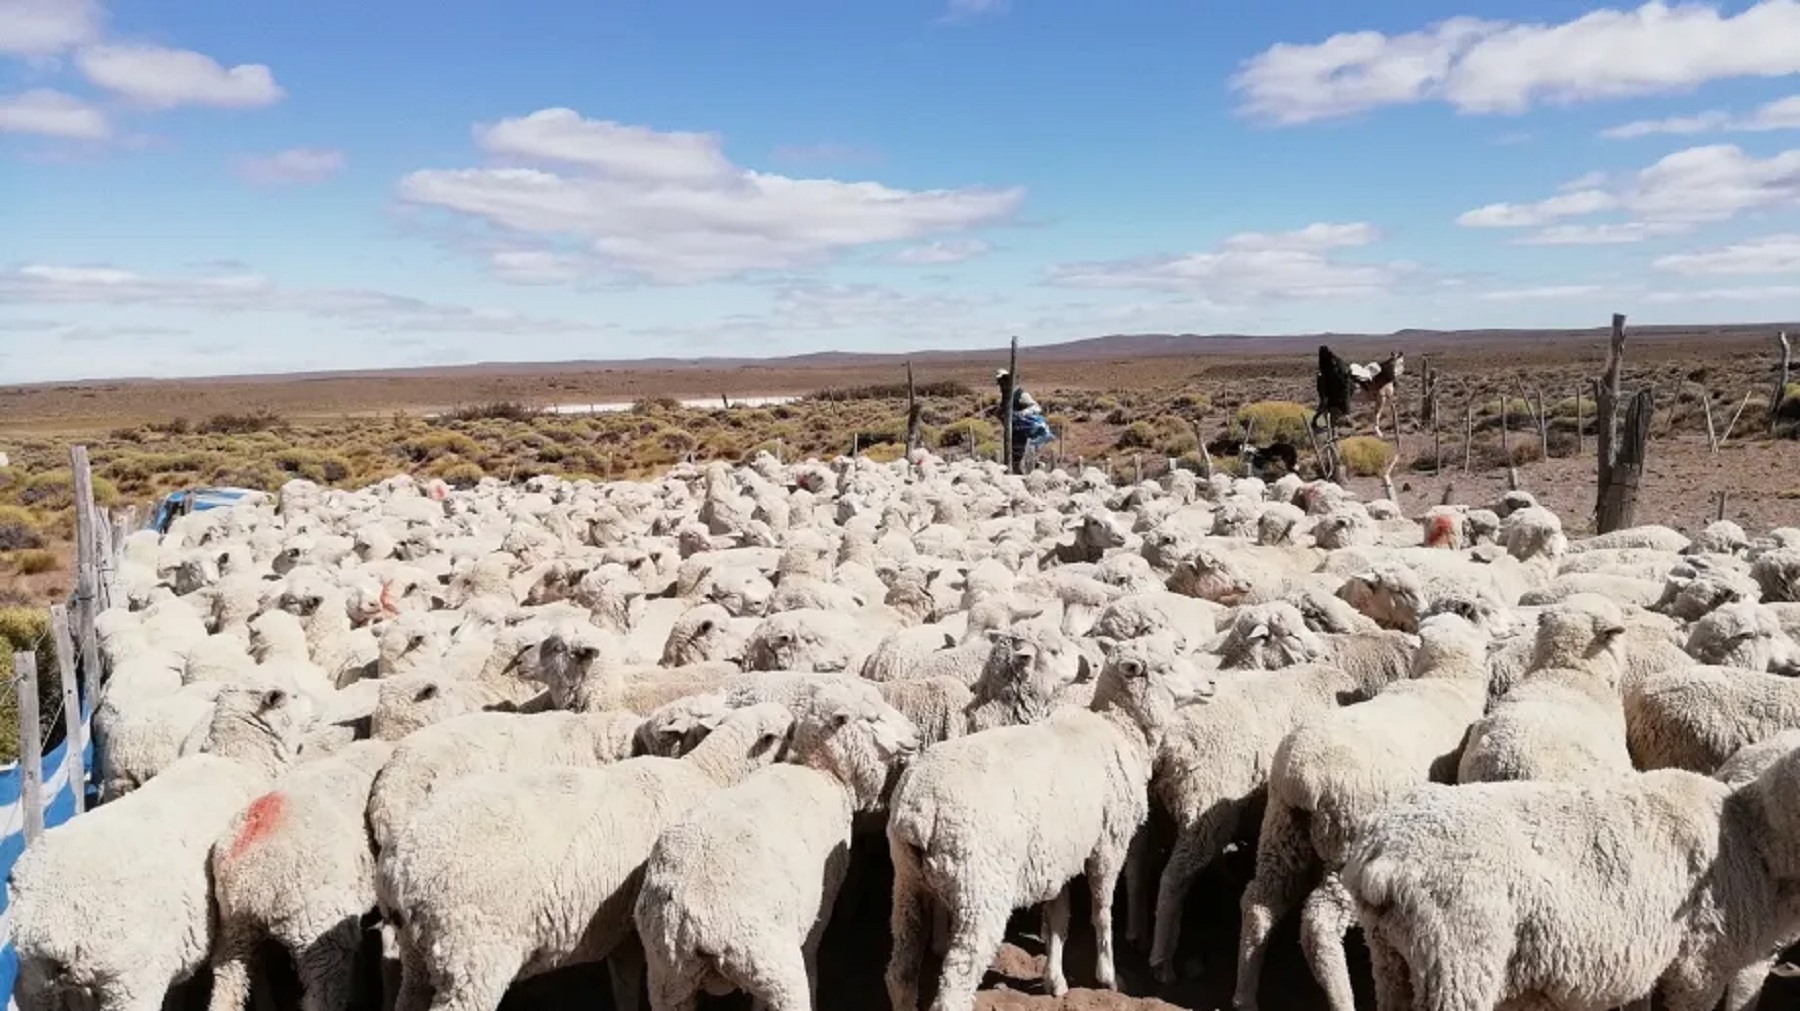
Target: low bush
x=1275 y=421
x=1365 y=455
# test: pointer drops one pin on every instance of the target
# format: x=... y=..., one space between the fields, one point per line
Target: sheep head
x=1031 y=660
x=1451 y=647
x=675 y=728
x=742 y=592
x=1777 y=574
x=566 y=660
x=1585 y=632
x=1744 y=634
x=801 y=640
x=1215 y=576
x=1393 y=595
x=1146 y=681
x=1269 y=637
x=855 y=736
x=702 y=634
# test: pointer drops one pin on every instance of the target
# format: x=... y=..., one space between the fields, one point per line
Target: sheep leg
x=1283 y=857
x=1326 y=917
x=415 y=976
x=909 y=922
x=671 y=989
x=1698 y=992
x=32 y=989
x=1056 y=934
x=233 y=965
x=327 y=967
x=476 y=987
x=1139 y=910
x=1103 y=878
x=1745 y=988
x=625 y=970
x=976 y=930
x=940 y=929
x=1195 y=847
x=778 y=983
x=1393 y=985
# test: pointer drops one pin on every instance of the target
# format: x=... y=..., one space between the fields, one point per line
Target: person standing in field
x=1028 y=424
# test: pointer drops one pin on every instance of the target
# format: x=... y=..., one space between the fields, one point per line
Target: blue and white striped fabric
x=59 y=806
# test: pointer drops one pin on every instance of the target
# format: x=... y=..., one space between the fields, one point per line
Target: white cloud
x=160 y=78
x=1773 y=293
x=1540 y=294
x=1781 y=114
x=825 y=152
x=942 y=253
x=962 y=10
x=295 y=165
x=1771 y=254
x=1482 y=66
x=1712 y=183
x=534 y=266
x=352 y=308
x=47 y=27
x=615 y=149
x=1566 y=205
x=52 y=114
x=1613 y=234
x=652 y=206
x=1248 y=266
x=1585 y=181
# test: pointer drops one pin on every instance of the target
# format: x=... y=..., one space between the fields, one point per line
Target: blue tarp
x=59 y=806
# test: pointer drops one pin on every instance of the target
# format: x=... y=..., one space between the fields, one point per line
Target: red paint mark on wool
x=263 y=817
x=1441 y=529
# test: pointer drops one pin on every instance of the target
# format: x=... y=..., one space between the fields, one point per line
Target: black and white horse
x=1340 y=381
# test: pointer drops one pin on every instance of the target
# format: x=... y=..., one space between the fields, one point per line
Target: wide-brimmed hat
x=1001 y=374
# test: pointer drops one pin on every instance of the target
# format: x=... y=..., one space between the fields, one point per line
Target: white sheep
x=295 y=866
x=770 y=851
x=82 y=894
x=1696 y=718
x=1213 y=768
x=1746 y=635
x=1333 y=772
x=503 y=875
x=1470 y=896
x=1564 y=719
x=994 y=821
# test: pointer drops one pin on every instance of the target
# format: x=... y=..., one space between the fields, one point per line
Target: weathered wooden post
x=1012 y=390
x=1606 y=422
x=913 y=412
x=1712 y=435
x=75 y=733
x=1580 y=430
x=1469 y=434
x=1779 y=395
x=1618 y=505
x=31 y=745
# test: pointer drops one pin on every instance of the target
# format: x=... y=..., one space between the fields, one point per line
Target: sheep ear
x=426 y=693
x=272 y=698
x=1106 y=643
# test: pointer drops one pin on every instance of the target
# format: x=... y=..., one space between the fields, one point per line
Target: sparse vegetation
x=1365 y=455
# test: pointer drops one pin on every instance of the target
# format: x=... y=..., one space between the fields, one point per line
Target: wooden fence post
x=87 y=574
x=1580 y=433
x=1606 y=421
x=1712 y=434
x=913 y=412
x=73 y=730
x=1781 y=381
x=1469 y=434
x=31 y=745
x=1618 y=507
x=1012 y=392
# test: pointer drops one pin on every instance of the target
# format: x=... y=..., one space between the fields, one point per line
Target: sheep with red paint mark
x=117 y=904
x=295 y=866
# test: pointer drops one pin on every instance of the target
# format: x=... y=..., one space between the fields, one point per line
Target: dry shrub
x=1490 y=456
x=1365 y=455
x=241 y=424
x=18 y=530
x=1276 y=420
x=499 y=410
x=27 y=629
x=35 y=562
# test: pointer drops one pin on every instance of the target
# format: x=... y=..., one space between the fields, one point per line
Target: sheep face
x=741 y=592
x=1391 y=595
x=1148 y=679
x=1744 y=635
x=562 y=661
x=1034 y=658
x=1451 y=646
x=1585 y=632
x=1213 y=576
x=862 y=742
x=1777 y=573
x=673 y=730
x=1269 y=637
x=791 y=641
x=1690 y=594
x=703 y=634
x=1344 y=528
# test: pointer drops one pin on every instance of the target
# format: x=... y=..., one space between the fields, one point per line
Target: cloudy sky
x=211 y=186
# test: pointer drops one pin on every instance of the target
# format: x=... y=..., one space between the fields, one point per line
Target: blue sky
x=203 y=187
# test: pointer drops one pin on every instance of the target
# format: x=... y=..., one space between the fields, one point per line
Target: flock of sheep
x=523 y=728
